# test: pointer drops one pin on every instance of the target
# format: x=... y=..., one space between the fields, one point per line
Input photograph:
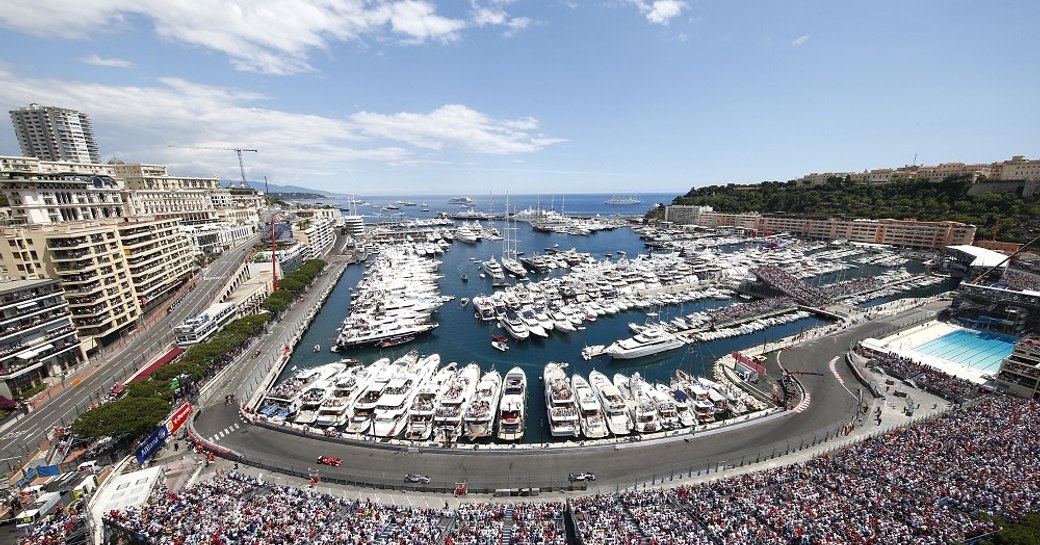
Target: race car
x=329 y=461
x=583 y=476
x=416 y=478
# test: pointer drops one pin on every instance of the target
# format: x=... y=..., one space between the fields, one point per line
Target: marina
x=470 y=333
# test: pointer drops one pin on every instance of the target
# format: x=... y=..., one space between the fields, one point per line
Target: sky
x=415 y=97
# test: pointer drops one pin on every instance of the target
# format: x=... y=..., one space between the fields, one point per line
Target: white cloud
x=800 y=40
x=267 y=36
x=138 y=123
x=111 y=63
x=494 y=15
x=660 y=11
x=455 y=126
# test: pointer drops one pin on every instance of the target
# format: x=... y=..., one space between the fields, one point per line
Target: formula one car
x=329 y=461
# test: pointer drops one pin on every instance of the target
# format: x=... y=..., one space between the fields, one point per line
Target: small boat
x=465 y=278
x=464 y=301
x=317 y=348
x=500 y=338
x=500 y=345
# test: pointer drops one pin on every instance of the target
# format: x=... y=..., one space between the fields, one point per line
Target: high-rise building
x=55 y=134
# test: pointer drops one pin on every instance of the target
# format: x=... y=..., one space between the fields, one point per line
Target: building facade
x=37 y=337
x=55 y=134
x=1020 y=372
x=111 y=271
x=903 y=233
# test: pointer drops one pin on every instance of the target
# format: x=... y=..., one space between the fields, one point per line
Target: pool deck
x=904 y=342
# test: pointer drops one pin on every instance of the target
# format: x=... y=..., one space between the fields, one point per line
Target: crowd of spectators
x=237 y=508
x=936 y=481
x=518 y=524
x=1019 y=281
x=927 y=483
x=723 y=315
x=848 y=288
x=932 y=379
x=62 y=527
x=793 y=286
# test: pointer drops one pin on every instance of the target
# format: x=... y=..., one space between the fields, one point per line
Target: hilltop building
x=903 y=233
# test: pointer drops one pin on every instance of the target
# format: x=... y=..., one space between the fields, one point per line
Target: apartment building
x=55 y=134
x=37 y=337
x=217 y=237
x=903 y=233
x=1020 y=372
x=316 y=231
x=112 y=271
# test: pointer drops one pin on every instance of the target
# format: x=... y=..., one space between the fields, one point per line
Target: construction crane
x=238 y=151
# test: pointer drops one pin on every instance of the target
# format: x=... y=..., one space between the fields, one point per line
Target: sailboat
x=509 y=251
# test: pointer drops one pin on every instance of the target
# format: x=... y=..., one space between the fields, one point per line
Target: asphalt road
x=832 y=401
x=91 y=382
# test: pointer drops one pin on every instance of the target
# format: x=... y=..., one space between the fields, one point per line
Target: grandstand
x=1008 y=304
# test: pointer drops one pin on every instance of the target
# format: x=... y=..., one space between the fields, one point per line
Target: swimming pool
x=977 y=349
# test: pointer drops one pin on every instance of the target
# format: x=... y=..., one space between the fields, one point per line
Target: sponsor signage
x=180 y=416
x=152 y=444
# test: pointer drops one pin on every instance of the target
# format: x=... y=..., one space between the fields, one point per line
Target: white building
x=55 y=134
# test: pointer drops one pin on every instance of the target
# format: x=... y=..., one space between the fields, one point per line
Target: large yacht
x=345 y=387
x=420 y=414
x=645 y=415
x=652 y=340
x=616 y=411
x=515 y=326
x=466 y=201
x=593 y=423
x=560 y=402
x=493 y=269
x=480 y=414
x=389 y=418
x=447 y=419
x=512 y=409
x=622 y=201
x=285 y=399
x=364 y=406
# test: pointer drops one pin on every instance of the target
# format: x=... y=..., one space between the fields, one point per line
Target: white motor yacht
x=619 y=420
x=493 y=269
x=512 y=409
x=285 y=399
x=652 y=340
x=333 y=411
x=590 y=410
x=645 y=409
x=420 y=414
x=515 y=326
x=364 y=406
x=480 y=414
x=447 y=418
x=392 y=408
x=532 y=323
x=560 y=402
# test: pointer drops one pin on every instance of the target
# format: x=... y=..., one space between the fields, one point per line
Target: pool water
x=976 y=349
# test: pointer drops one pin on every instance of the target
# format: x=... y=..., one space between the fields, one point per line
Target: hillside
x=1015 y=218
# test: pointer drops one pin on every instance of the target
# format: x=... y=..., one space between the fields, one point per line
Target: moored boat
x=512 y=408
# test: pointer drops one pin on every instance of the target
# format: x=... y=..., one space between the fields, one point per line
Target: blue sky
x=462 y=97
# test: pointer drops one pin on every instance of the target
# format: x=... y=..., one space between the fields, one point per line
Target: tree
x=133 y=416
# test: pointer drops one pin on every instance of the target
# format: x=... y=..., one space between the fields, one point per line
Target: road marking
x=834 y=371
